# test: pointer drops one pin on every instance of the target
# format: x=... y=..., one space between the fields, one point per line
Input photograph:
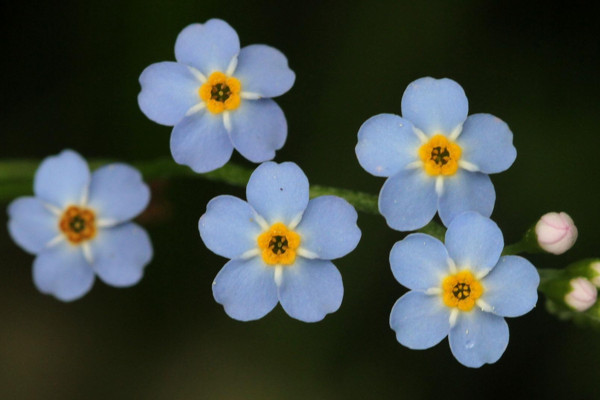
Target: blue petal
x=120 y=254
x=328 y=227
x=200 y=141
x=278 y=192
x=208 y=47
x=258 y=128
x=435 y=105
x=419 y=262
x=474 y=241
x=246 y=288
x=511 y=287
x=486 y=142
x=63 y=272
x=62 y=179
x=310 y=289
x=408 y=200
x=478 y=338
x=118 y=193
x=421 y=321
x=169 y=90
x=386 y=144
x=264 y=70
x=228 y=228
x=31 y=225
x=466 y=191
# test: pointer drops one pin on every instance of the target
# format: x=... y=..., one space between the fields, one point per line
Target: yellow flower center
x=78 y=224
x=278 y=245
x=461 y=290
x=221 y=93
x=440 y=156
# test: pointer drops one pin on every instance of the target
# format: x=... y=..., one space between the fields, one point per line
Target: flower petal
x=466 y=191
x=421 y=321
x=328 y=227
x=118 y=193
x=200 y=141
x=435 y=105
x=264 y=70
x=278 y=192
x=408 y=200
x=511 y=287
x=487 y=142
x=31 y=225
x=208 y=47
x=169 y=90
x=228 y=228
x=386 y=144
x=120 y=254
x=419 y=262
x=310 y=289
x=63 y=272
x=478 y=338
x=62 y=179
x=258 y=128
x=474 y=241
x=246 y=288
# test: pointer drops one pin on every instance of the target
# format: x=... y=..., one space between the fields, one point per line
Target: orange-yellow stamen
x=461 y=290
x=278 y=245
x=78 y=224
x=440 y=156
x=221 y=93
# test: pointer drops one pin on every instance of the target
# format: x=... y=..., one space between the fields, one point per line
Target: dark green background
x=69 y=79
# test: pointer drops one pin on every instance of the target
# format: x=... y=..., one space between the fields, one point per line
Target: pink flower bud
x=583 y=294
x=556 y=232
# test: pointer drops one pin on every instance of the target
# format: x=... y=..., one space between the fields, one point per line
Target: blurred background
x=69 y=77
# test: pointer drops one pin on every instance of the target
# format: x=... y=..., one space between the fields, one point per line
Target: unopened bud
x=556 y=232
x=583 y=294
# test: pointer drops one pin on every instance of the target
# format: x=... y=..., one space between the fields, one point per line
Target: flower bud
x=583 y=294
x=556 y=232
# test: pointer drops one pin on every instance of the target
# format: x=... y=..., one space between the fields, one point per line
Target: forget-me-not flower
x=435 y=158
x=280 y=244
x=217 y=97
x=462 y=290
x=78 y=225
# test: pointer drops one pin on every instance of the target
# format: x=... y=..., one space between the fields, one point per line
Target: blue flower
x=280 y=244
x=462 y=290
x=435 y=158
x=217 y=97
x=78 y=225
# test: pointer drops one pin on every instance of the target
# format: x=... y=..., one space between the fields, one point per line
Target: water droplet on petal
x=469 y=344
x=467 y=332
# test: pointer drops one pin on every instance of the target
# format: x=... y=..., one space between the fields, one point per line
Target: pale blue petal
x=62 y=179
x=466 y=191
x=118 y=193
x=208 y=47
x=120 y=254
x=228 y=228
x=201 y=142
x=310 y=289
x=278 y=192
x=511 y=287
x=169 y=90
x=31 y=225
x=474 y=241
x=258 y=128
x=328 y=227
x=421 y=321
x=478 y=338
x=264 y=70
x=63 y=272
x=408 y=200
x=419 y=262
x=435 y=105
x=246 y=288
x=386 y=144
x=487 y=142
